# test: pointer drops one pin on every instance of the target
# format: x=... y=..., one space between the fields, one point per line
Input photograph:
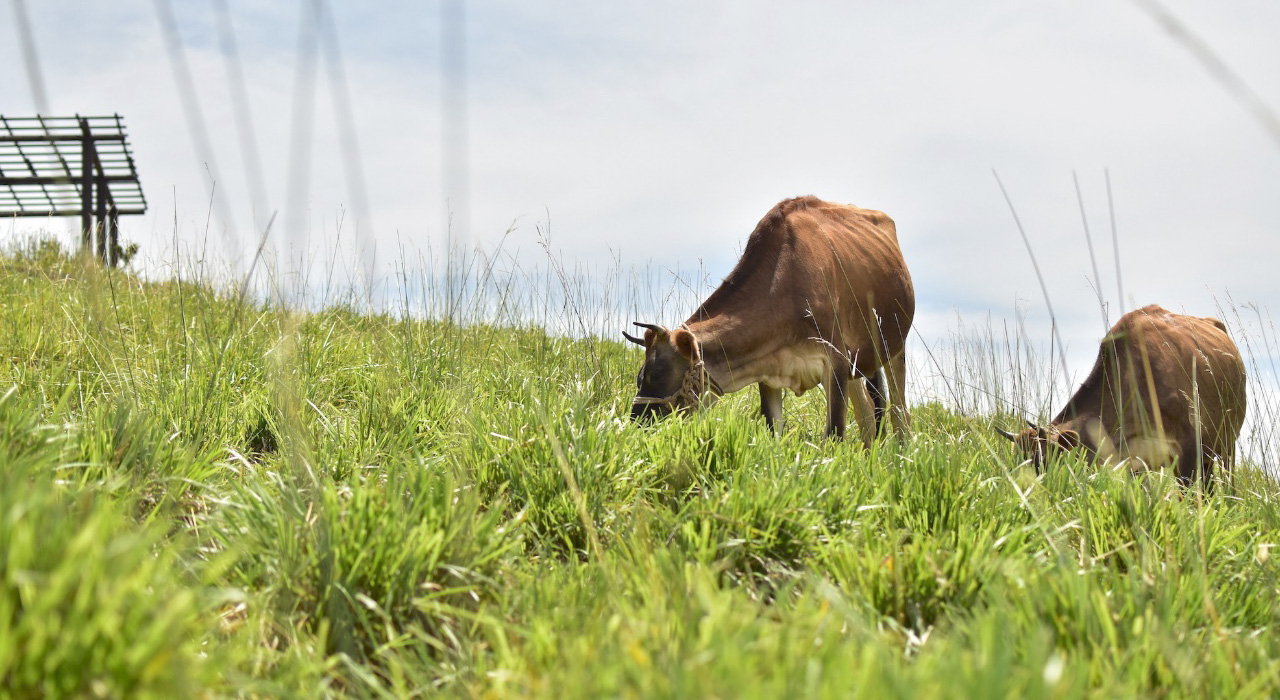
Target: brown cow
x=1165 y=389
x=821 y=295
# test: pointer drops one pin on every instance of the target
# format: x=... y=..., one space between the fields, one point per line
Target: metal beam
x=23 y=138
x=47 y=213
x=60 y=179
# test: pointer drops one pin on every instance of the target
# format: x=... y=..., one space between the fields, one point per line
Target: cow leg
x=840 y=390
x=876 y=387
x=837 y=385
x=1226 y=461
x=1187 y=467
x=771 y=407
x=864 y=411
x=896 y=373
x=1196 y=465
x=1211 y=460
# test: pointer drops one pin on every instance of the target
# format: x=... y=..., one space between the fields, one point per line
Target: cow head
x=672 y=377
x=1038 y=442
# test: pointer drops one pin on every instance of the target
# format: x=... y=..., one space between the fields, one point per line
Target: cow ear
x=1068 y=439
x=687 y=345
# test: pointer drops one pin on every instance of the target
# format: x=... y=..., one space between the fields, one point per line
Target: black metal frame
x=71 y=166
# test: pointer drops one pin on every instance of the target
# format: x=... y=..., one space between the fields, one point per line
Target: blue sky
x=658 y=133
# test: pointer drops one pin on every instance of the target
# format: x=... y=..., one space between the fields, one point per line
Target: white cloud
x=664 y=131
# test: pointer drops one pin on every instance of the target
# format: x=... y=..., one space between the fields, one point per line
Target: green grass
x=205 y=496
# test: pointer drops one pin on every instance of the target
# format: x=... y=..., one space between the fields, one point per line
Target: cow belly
x=1147 y=452
x=1140 y=452
x=797 y=368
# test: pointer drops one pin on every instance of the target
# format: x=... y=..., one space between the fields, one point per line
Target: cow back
x=815 y=271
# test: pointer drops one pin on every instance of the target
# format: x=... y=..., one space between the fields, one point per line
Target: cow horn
x=1033 y=426
x=1007 y=435
x=653 y=327
x=632 y=338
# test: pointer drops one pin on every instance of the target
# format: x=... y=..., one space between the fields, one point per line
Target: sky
x=656 y=134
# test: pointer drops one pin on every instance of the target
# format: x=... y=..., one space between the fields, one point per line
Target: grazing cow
x=820 y=296
x=1165 y=389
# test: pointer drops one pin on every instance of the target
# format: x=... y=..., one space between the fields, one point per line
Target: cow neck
x=723 y=324
x=1093 y=438
x=723 y=341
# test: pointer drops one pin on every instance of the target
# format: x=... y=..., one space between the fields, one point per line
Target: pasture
x=204 y=494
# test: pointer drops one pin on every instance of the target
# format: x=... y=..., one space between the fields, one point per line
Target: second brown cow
x=1165 y=389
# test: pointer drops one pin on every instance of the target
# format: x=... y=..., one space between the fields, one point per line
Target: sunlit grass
x=205 y=493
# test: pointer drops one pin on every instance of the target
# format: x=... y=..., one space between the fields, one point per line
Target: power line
x=348 y=143
x=34 y=76
x=243 y=114
x=302 y=124
x=191 y=105
x=454 y=137
x=1230 y=80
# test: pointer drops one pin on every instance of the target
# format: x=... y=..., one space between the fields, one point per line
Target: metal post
x=101 y=225
x=86 y=187
x=114 y=242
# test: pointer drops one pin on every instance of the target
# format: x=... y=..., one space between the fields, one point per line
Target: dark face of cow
x=668 y=356
x=1037 y=443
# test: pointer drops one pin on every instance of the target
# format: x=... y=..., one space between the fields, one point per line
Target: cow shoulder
x=878 y=219
x=786 y=208
x=775 y=228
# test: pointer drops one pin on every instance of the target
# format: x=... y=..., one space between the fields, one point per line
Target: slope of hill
x=203 y=495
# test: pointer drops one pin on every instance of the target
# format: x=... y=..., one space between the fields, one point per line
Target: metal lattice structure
x=70 y=166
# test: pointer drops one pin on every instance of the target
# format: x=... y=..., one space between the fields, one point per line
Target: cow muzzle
x=646 y=412
x=692 y=395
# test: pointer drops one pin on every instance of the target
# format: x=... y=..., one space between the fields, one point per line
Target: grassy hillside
x=206 y=496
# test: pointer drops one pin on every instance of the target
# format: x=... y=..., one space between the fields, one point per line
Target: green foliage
x=92 y=603
x=203 y=495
